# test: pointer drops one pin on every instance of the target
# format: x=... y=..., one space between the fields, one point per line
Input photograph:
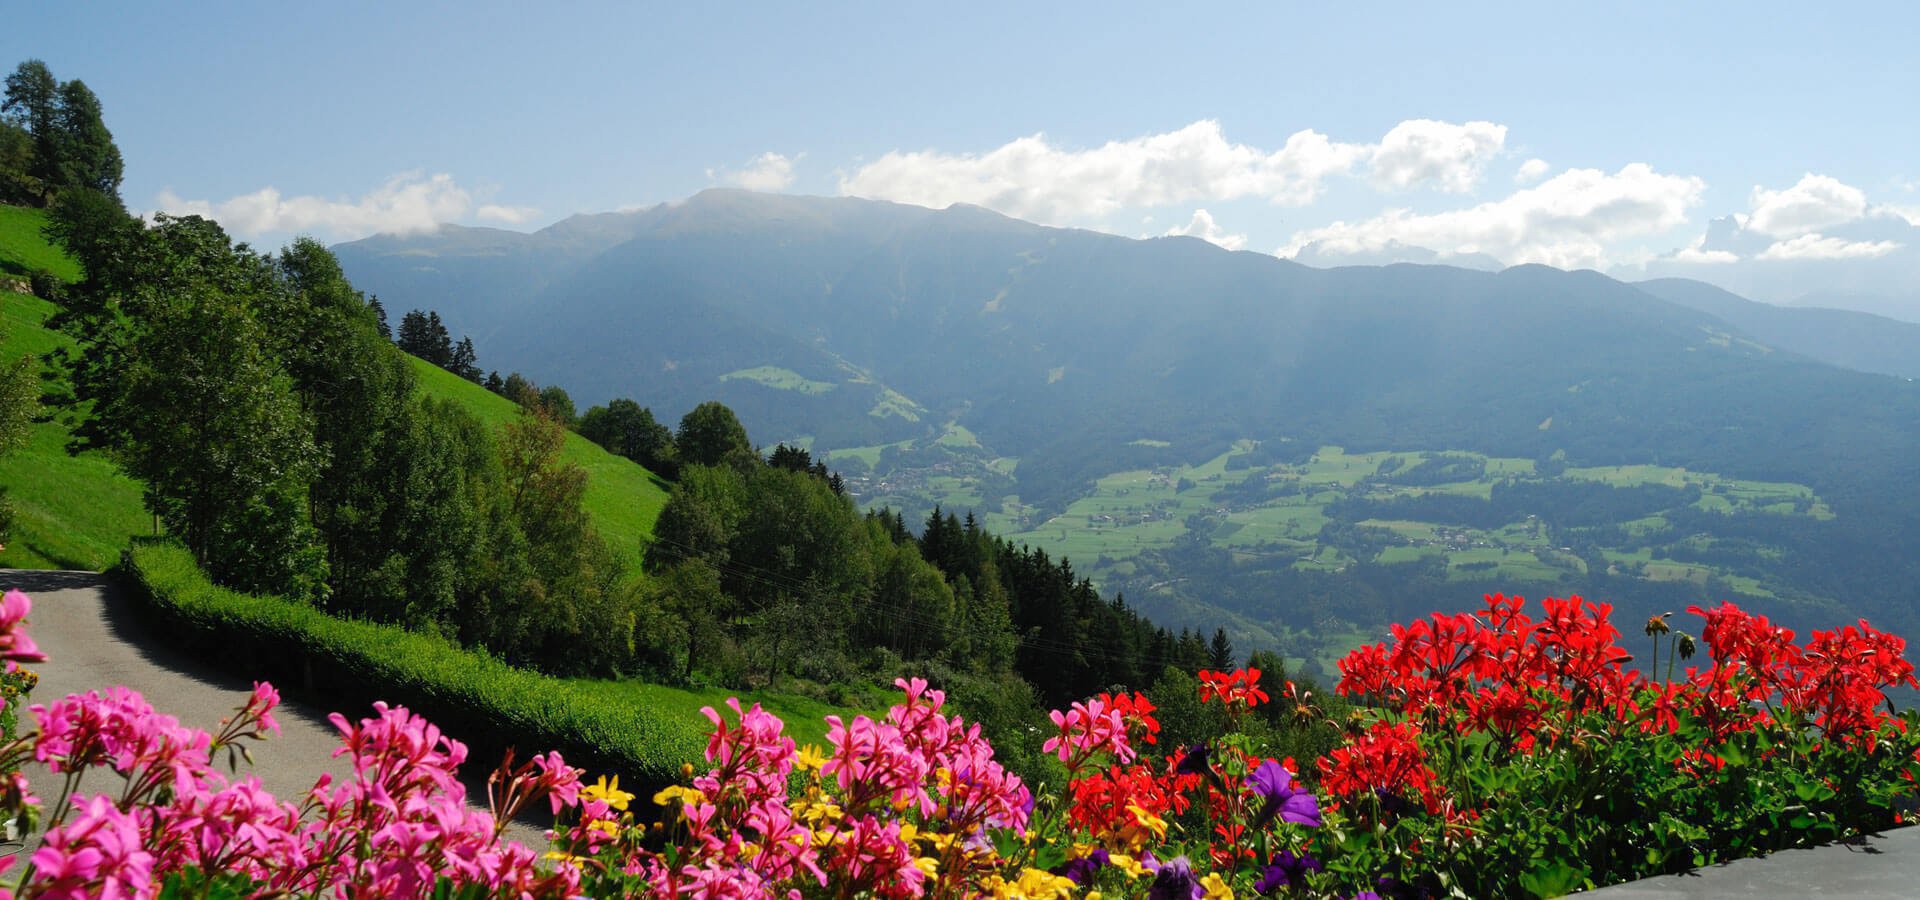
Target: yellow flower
x=809 y=758
x=1216 y=889
x=1148 y=820
x=609 y=791
x=928 y=865
x=677 y=792
x=1034 y=884
x=1041 y=883
x=1128 y=864
x=604 y=827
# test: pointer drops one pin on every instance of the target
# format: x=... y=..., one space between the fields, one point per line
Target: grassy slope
x=70 y=512
x=22 y=249
x=78 y=512
x=623 y=498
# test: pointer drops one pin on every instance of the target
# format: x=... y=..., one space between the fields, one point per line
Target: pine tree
x=380 y=317
x=1220 y=652
x=439 y=343
x=463 y=359
x=414 y=336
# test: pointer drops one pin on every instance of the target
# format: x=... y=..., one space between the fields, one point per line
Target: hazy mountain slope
x=1079 y=355
x=1843 y=337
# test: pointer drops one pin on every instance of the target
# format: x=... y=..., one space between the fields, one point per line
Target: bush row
x=484 y=702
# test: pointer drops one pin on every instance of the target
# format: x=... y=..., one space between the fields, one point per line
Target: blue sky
x=1649 y=120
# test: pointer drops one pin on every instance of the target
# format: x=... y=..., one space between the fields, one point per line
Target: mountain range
x=1036 y=361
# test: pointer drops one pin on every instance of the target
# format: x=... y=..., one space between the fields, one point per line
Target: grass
x=70 y=512
x=23 y=250
x=623 y=499
x=780 y=379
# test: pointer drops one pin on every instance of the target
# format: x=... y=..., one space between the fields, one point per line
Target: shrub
x=470 y=692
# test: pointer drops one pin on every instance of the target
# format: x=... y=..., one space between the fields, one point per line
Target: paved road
x=88 y=628
x=1880 y=866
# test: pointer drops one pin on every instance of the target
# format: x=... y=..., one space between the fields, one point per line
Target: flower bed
x=1495 y=755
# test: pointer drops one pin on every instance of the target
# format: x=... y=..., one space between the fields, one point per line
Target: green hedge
x=482 y=701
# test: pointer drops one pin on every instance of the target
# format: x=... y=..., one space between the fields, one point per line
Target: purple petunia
x=1287 y=869
x=1275 y=783
x=1175 y=881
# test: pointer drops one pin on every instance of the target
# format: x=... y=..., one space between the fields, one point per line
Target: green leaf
x=1554 y=880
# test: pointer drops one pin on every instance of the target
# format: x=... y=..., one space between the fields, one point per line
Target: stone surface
x=86 y=624
x=1884 y=865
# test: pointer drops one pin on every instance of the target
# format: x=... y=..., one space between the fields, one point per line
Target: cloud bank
x=1570 y=220
x=1032 y=178
x=405 y=204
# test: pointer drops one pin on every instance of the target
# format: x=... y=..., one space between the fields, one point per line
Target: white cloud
x=1815 y=246
x=1816 y=202
x=506 y=215
x=1531 y=171
x=1567 y=221
x=770 y=172
x=1204 y=227
x=1033 y=179
x=1697 y=252
x=1418 y=151
x=1909 y=213
x=406 y=203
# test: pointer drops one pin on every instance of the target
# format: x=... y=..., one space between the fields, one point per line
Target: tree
x=463 y=361
x=17 y=184
x=380 y=316
x=1220 y=650
x=33 y=103
x=439 y=342
x=556 y=404
x=628 y=429
x=494 y=384
x=87 y=155
x=414 y=337
x=520 y=390
x=710 y=435
x=70 y=146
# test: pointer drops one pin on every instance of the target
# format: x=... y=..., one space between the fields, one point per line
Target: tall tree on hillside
x=424 y=335
x=33 y=102
x=17 y=185
x=413 y=337
x=185 y=389
x=711 y=435
x=87 y=155
x=380 y=316
x=464 y=362
x=557 y=404
x=71 y=146
x=628 y=429
x=439 y=341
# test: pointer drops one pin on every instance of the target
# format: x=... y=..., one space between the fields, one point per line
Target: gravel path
x=88 y=627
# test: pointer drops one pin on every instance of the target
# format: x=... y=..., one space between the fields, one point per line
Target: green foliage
x=626 y=428
x=644 y=732
x=711 y=435
x=622 y=498
x=69 y=145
